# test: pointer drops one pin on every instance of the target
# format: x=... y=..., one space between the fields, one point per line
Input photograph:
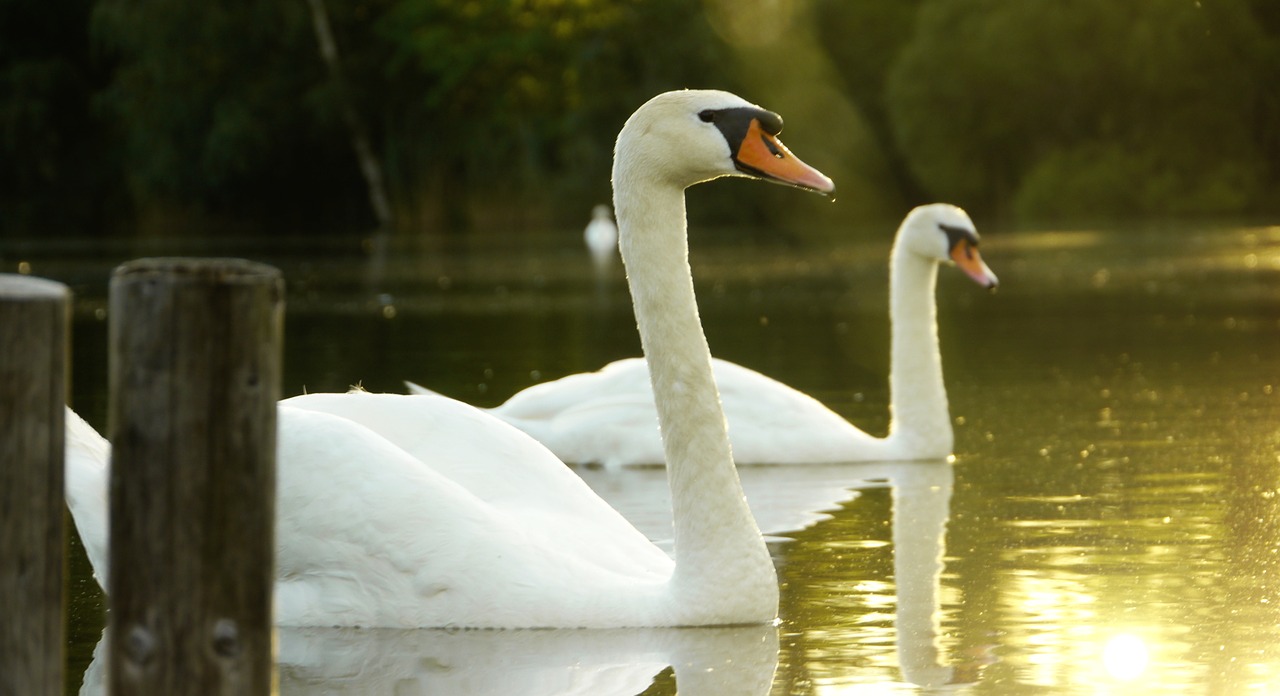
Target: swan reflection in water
x=738 y=660
x=921 y=510
x=788 y=499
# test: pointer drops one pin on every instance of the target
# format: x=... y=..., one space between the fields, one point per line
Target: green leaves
x=1082 y=106
x=480 y=110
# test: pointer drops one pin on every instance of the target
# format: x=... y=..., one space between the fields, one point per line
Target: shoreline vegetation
x=456 y=117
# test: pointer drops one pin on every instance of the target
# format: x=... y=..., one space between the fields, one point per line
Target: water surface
x=1111 y=520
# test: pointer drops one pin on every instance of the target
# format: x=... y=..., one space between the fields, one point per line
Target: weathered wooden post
x=33 y=394
x=194 y=376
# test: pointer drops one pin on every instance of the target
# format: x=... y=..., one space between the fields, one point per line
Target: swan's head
x=944 y=233
x=690 y=136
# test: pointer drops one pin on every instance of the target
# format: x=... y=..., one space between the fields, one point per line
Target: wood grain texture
x=194 y=378
x=33 y=389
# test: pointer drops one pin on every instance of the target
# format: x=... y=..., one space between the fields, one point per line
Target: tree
x=1083 y=107
x=521 y=101
x=226 y=115
x=56 y=172
x=865 y=38
x=453 y=108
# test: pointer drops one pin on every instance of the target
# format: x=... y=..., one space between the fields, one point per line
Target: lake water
x=1111 y=521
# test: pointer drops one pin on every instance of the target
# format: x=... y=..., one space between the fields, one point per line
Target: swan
x=422 y=511
x=601 y=236
x=608 y=417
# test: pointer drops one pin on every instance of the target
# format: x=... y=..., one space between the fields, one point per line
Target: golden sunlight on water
x=1125 y=657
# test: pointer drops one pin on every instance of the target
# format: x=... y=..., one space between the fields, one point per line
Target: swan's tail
x=419 y=390
x=88 y=457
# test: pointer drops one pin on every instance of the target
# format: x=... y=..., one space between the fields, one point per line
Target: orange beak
x=965 y=254
x=765 y=156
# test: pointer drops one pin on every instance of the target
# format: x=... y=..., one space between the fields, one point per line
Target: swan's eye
x=959 y=235
x=707 y=115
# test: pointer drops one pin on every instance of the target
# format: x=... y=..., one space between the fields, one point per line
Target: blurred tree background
x=450 y=116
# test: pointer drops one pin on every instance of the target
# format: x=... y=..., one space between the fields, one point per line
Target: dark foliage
x=119 y=115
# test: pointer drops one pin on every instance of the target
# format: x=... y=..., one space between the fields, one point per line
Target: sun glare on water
x=1125 y=657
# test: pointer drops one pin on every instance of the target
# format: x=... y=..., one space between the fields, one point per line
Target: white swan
x=608 y=417
x=601 y=236
x=409 y=511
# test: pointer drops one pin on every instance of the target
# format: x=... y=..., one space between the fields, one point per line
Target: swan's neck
x=917 y=395
x=921 y=508
x=721 y=559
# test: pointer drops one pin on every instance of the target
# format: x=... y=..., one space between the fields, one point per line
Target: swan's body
x=423 y=511
x=608 y=417
x=450 y=543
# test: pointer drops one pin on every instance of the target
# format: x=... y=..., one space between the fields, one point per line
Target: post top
x=25 y=287
x=211 y=270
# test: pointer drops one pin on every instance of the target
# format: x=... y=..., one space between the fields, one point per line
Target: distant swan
x=608 y=417
x=411 y=511
x=601 y=236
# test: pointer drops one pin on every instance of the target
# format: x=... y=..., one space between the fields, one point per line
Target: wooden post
x=194 y=376
x=33 y=396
